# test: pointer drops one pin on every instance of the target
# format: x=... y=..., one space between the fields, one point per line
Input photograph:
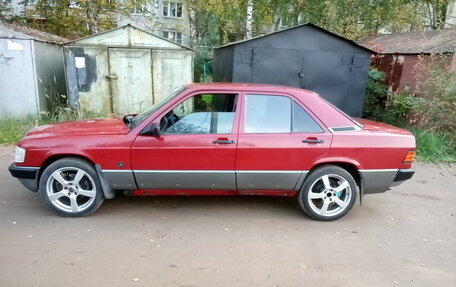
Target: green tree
x=436 y=12
x=58 y=17
x=353 y=19
x=5 y=12
x=76 y=18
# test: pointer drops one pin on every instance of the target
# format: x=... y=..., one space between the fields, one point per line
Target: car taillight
x=409 y=157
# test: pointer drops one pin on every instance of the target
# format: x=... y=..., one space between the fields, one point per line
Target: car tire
x=70 y=187
x=328 y=193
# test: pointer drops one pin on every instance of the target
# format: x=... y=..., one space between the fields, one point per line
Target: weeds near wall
x=430 y=113
x=434 y=146
x=376 y=95
x=384 y=106
x=437 y=83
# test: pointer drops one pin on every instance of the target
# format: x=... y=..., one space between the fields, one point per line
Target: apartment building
x=167 y=19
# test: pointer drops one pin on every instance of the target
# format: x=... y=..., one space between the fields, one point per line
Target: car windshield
x=139 y=118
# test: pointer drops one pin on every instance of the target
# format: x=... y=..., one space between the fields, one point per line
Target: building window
x=173 y=36
x=172 y=9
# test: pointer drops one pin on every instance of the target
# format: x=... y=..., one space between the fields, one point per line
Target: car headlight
x=19 y=155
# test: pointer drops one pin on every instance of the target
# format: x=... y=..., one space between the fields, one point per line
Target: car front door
x=196 y=149
x=277 y=140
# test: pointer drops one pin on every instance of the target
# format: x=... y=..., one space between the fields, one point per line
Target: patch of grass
x=13 y=129
x=435 y=146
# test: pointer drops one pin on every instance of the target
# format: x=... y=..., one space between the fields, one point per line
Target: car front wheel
x=70 y=187
x=328 y=193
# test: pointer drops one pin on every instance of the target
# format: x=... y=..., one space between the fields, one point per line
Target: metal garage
x=304 y=56
x=124 y=71
x=31 y=71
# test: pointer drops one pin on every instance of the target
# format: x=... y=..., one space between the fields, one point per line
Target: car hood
x=373 y=126
x=107 y=126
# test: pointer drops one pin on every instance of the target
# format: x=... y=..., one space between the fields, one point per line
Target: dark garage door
x=327 y=73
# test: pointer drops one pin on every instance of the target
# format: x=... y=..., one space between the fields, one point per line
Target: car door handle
x=223 y=141
x=313 y=140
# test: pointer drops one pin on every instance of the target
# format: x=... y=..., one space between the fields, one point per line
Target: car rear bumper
x=28 y=176
x=380 y=180
x=402 y=175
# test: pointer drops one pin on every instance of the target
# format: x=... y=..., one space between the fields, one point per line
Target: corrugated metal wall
x=31 y=77
x=50 y=75
x=304 y=57
x=403 y=70
x=124 y=71
x=18 y=94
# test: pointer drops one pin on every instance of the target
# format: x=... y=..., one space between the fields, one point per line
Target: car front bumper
x=28 y=176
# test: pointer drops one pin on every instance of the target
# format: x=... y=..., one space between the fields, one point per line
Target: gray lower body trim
x=120 y=179
x=205 y=179
x=377 y=180
x=183 y=179
x=268 y=180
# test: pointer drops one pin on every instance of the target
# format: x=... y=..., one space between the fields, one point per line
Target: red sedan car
x=218 y=139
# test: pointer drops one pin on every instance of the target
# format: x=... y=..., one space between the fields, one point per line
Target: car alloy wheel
x=70 y=187
x=328 y=193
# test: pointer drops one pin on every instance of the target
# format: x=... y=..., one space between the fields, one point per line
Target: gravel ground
x=405 y=237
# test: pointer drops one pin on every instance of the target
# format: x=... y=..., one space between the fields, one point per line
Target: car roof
x=248 y=87
x=328 y=114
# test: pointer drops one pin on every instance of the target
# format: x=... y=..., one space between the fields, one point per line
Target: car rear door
x=278 y=139
x=196 y=149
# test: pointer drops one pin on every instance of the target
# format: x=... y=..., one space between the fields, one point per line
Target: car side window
x=201 y=114
x=267 y=114
x=303 y=122
x=277 y=114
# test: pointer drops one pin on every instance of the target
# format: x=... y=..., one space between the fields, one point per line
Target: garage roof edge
x=295 y=27
x=124 y=27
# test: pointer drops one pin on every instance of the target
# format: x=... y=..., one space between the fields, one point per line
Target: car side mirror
x=152 y=130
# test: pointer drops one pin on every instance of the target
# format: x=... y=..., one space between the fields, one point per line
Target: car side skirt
x=194 y=192
x=119 y=179
x=269 y=179
x=229 y=180
x=186 y=179
x=241 y=181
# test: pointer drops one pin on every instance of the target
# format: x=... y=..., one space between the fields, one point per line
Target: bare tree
x=249 y=20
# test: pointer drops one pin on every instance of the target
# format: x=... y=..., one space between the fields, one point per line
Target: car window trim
x=173 y=105
x=292 y=97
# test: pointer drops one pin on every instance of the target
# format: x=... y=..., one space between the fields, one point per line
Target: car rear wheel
x=70 y=187
x=328 y=193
